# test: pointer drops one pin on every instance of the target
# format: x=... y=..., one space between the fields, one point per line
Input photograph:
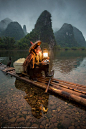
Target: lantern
x=45 y=54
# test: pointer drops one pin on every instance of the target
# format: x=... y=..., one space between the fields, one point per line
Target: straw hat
x=34 y=45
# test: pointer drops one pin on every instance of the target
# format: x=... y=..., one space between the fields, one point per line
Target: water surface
x=24 y=105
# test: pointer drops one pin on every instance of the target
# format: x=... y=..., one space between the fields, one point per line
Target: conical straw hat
x=37 y=43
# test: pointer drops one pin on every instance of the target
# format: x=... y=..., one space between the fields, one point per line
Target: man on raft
x=34 y=64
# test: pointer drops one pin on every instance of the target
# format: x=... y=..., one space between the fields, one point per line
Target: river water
x=26 y=106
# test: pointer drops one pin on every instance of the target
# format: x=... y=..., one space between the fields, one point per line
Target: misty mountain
x=66 y=36
x=15 y=30
x=42 y=31
x=44 y=28
x=24 y=29
x=4 y=23
x=69 y=36
x=79 y=37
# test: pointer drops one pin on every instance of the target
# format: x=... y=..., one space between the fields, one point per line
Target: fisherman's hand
x=44 y=62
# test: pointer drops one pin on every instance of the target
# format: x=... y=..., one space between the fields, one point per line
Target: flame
x=45 y=54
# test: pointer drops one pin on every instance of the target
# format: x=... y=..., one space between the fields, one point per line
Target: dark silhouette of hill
x=15 y=30
x=4 y=23
x=69 y=36
x=42 y=31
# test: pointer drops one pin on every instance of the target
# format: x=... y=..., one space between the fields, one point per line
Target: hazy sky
x=26 y=12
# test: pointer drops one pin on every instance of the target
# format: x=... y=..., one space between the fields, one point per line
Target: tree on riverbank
x=7 y=43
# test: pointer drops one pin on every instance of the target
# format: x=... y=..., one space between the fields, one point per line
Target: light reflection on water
x=27 y=106
x=69 y=66
x=70 y=70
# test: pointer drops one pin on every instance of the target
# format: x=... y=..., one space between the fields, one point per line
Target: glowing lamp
x=45 y=53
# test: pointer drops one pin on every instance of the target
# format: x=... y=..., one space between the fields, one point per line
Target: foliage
x=74 y=48
x=57 y=47
x=24 y=43
x=42 y=31
x=65 y=37
x=67 y=48
x=44 y=45
x=7 y=43
x=83 y=48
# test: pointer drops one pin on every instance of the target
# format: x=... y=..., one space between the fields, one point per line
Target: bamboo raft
x=68 y=90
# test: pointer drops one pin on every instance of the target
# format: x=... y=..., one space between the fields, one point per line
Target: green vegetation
x=58 y=47
x=7 y=43
x=42 y=31
x=64 y=39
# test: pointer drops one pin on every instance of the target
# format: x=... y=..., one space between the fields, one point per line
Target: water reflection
x=4 y=55
x=35 y=97
x=67 y=65
x=64 y=61
x=23 y=105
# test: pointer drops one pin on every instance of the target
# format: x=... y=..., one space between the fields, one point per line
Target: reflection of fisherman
x=34 y=62
x=38 y=102
x=35 y=97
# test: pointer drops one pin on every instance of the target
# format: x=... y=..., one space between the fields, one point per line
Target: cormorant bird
x=0 y=63
x=9 y=63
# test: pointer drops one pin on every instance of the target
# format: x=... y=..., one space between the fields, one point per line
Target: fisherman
x=34 y=63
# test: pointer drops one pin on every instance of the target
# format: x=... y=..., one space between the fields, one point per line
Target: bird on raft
x=0 y=63
x=9 y=63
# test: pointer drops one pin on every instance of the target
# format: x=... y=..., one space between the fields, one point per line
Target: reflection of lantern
x=45 y=53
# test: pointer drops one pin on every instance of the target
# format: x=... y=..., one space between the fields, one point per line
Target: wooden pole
x=52 y=73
